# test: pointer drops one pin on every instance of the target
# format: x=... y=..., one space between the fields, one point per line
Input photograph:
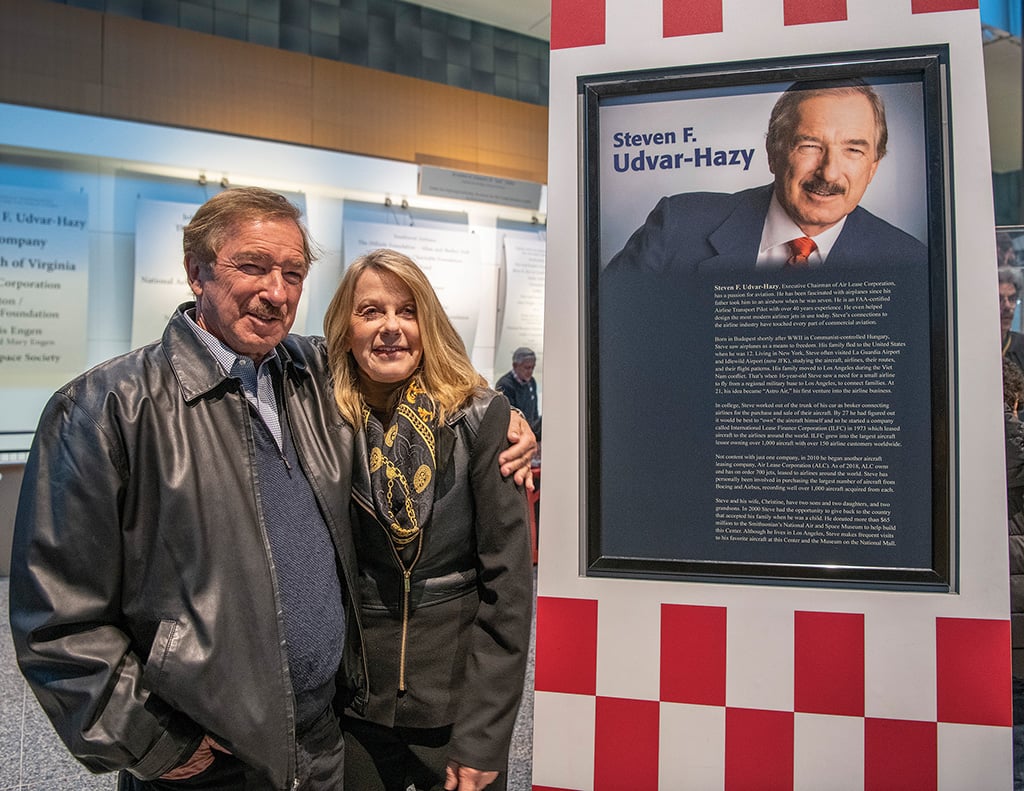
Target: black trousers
x=321 y=757
x=378 y=758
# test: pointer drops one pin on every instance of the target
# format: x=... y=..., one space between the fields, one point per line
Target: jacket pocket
x=448 y=587
x=164 y=644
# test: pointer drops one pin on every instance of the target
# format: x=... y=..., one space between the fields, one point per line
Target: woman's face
x=383 y=332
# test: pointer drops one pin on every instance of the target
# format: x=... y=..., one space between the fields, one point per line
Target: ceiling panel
x=529 y=17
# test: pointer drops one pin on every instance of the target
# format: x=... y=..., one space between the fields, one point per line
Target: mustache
x=822 y=187
x=267 y=311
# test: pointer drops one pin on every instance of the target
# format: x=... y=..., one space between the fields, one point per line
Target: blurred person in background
x=1010 y=285
x=520 y=388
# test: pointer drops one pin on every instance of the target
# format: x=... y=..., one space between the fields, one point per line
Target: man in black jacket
x=1009 y=297
x=182 y=574
x=520 y=388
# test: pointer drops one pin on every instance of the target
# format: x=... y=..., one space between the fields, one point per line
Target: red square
x=566 y=645
x=900 y=754
x=693 y=654
x=932 y=6
x=828 y=666
x=807 y=12
x=690 y=17
x=626 y=744
x=758 y=750
x=972 y=657
x=576 y=23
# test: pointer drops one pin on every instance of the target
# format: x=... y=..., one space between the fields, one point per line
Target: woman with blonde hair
x=442 y=544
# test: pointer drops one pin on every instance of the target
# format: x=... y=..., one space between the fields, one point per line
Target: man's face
x=1007 y=305
x=830 y=161
x=524 y=369
x=248 y=297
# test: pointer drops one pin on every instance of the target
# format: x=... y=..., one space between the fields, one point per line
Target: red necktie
x=801 y=249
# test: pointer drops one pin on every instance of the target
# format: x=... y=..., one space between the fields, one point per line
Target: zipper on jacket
x=406 y=584
x=405 y=631
x=406 y=590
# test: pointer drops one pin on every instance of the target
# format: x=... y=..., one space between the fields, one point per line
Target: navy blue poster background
x=796 y=431
x=773 y=424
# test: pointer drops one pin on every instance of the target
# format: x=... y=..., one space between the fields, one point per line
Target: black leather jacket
x=144 y=606
x=454 y=633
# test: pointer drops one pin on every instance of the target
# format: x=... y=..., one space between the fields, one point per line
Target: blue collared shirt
x=257 y=383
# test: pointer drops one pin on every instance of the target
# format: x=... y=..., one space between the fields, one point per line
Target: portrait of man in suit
x=825 y=142
x=797 y=248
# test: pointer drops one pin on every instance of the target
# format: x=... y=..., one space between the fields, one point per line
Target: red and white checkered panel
x=581 y=23
x=823 y=740
x=650 y=686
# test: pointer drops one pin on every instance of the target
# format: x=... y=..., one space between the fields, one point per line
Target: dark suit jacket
x=1013 y=348
x=699 y=230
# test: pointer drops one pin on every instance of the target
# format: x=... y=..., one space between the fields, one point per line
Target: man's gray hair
x=786 y=113
x=1011 y=275
x=522 y=353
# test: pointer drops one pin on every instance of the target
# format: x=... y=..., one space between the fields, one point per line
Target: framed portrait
x=765 y=276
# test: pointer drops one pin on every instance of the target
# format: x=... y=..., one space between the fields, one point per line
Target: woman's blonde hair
x=445 y=368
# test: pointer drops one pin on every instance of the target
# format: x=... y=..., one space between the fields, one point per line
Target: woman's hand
x=198 y=763
x=465 y=778
x=516 y=458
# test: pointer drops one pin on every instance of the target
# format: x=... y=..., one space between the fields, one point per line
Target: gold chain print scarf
x=402 y=463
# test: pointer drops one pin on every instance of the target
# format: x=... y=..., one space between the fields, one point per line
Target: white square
x=975 y=756
x=759 y=657
x=628 y=648
x=563 y=740
x=828 y=752
x=899 y=666
x=691 y=748
x=632 y=25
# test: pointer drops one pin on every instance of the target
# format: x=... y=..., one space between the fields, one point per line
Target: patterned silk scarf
x=402 y=463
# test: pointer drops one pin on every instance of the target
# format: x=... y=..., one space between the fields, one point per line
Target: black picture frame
x=661 y=497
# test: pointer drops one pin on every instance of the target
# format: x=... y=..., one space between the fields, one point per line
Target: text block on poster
x=44 y=265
